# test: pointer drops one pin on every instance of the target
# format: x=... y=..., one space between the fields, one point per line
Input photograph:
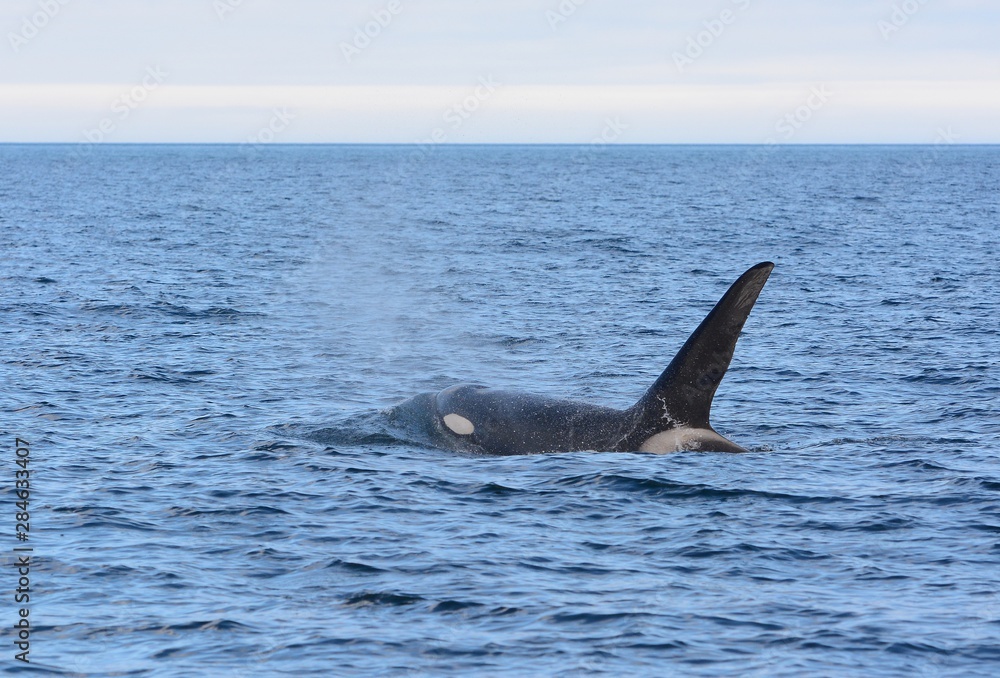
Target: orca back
x=682 y=395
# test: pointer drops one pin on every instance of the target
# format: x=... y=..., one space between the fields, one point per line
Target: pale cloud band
x=829 y=112
x=521 y=71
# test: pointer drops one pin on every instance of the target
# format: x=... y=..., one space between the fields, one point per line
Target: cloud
x=866 y=111
x=229 y=70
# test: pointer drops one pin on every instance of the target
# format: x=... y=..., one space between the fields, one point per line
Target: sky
x=501 y=71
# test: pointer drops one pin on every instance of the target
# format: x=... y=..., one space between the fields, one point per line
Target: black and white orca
x=673 y=415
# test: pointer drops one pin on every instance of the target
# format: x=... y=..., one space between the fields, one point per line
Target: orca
x=672 y=416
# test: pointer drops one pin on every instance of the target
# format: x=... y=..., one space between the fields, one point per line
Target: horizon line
x=419 y=144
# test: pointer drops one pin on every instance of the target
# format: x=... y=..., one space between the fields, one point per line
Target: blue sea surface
x=199 y=343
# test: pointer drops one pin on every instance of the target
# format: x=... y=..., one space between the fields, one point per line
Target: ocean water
x=199 y=343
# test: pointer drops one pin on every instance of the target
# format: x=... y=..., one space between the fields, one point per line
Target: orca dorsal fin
x=682 y=395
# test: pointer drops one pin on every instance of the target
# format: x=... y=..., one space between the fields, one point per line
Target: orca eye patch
x=459 y=424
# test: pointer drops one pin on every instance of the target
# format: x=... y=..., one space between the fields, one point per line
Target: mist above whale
x=672 y=415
